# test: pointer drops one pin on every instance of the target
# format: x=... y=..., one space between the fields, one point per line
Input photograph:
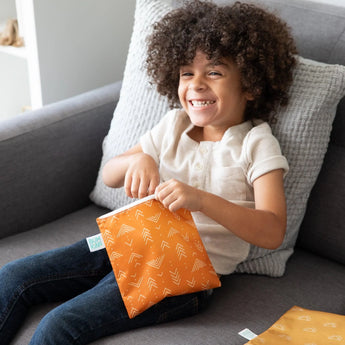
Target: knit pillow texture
x=303 y=130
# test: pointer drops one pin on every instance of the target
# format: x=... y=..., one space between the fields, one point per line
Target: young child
x=229 y=68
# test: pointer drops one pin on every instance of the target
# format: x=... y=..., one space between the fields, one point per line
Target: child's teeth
x=201 y=103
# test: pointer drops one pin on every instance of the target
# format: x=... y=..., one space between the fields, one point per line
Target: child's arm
x=263 y=226
x=135 y=170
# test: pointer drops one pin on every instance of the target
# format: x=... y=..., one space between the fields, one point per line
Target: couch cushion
x=316 y=90
x=49 y=158
x=251 y=301
x=243 y=300
x=62 y=232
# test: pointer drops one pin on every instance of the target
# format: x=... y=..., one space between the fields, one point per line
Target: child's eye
x=214 y=73
x=186 y=74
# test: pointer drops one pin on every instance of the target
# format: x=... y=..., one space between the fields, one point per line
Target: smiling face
x=211 y=94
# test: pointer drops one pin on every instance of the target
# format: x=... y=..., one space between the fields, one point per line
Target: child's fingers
x=143 y=187
x=161 y=191
x=131 y=185
x=135 y=186
x=174 y=195
x=174 y=204
x=166 y=194
x=153 y=185
x=128 y=185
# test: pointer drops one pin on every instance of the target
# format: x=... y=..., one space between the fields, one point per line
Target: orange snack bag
x=305 y=327
x=155 y=253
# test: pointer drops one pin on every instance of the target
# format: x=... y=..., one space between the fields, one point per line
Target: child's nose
x=197 y=83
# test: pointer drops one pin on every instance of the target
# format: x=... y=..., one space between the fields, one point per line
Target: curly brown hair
x=258 y=42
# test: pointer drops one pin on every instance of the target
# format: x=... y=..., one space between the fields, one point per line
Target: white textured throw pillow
x=303 y=130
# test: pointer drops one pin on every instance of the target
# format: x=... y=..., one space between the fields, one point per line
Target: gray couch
x=49 y=161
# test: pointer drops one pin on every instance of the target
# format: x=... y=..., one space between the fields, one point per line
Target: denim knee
x=55 y=328
x=13 y=282
x=13 y=307
x=55 y=275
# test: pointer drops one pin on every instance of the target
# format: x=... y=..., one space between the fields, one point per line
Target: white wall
x=94 y=39
x=8 y=10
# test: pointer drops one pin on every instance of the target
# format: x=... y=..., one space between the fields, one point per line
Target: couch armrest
x=49 y=158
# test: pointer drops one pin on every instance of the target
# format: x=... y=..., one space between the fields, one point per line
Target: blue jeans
x=92 y=307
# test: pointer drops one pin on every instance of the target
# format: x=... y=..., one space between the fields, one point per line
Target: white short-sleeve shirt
x=226 y=168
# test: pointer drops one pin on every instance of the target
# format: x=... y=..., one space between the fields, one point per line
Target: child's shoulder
x=261 y=132
x=173 y=123
x=176 y=118
x=174 y=114
x=251 y=129
x=260 y=128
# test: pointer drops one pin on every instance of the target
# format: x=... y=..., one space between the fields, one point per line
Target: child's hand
x=142 y=176
x=174 y=195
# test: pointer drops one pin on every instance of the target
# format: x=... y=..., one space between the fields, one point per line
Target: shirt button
x=198 y=166
x=203 y=150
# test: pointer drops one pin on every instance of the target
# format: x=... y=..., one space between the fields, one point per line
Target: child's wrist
x=203 y=197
